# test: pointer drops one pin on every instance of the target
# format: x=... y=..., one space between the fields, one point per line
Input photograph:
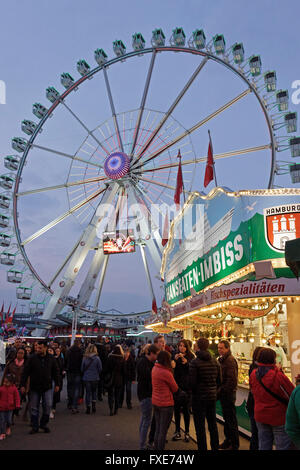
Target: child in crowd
x=9 y=401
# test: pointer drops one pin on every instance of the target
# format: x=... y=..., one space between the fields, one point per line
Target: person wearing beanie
x=271 y=391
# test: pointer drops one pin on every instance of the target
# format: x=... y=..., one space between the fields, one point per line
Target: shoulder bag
x=282 y=400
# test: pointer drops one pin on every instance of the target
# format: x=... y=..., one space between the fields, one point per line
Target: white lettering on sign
x=295 y=357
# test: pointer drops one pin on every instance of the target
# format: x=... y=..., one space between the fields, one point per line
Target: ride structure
x=127 y=162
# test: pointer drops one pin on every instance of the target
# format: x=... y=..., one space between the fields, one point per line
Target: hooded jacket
x=163 y=386
x=91 y=368
x=9 y=398
x=205 y=376
x=267 y=409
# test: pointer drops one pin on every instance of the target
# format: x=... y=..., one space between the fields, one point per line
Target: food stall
x=226 y=277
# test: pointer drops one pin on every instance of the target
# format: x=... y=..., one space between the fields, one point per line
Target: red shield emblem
x=282 y=223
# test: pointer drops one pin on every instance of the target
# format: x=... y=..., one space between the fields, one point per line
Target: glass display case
x=243 y=373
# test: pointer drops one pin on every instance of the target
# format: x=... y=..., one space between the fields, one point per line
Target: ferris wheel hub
x=117 y=165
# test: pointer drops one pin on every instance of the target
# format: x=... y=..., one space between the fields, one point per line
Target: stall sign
x=219 y=234
x=238 y=290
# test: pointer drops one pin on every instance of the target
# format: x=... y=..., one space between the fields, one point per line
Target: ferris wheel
x=128 y=161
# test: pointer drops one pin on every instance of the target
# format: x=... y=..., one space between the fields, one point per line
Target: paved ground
x=91 y=432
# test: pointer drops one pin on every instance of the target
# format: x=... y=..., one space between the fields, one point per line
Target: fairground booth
x=226 y=277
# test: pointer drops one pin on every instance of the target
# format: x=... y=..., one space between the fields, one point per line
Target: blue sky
x=42 y=39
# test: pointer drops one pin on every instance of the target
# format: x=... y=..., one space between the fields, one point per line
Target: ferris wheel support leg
x=101 y=280
x=155 y=230
x=144 y=228
x=57 y=302
x=142 y=247
x=90 y=280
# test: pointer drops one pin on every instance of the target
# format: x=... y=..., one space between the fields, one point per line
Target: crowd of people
x=172 y=382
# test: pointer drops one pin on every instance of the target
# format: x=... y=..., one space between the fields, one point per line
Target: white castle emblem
x=280 y=237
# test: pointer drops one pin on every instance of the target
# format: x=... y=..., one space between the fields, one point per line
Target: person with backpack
x=271 y=391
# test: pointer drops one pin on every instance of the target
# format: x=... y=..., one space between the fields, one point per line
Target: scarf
x=19 y=363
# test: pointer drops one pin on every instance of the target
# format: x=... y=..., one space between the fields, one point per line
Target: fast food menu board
x=120 y=241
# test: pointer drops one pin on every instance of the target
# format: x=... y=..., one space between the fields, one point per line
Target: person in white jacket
x=281 y=359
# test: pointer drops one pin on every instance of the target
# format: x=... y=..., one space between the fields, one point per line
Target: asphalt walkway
x=97 y=431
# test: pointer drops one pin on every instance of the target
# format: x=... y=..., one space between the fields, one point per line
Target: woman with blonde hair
x=91 y=368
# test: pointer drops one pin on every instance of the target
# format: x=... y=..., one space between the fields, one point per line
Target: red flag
x=10 y=319
x=154 y=306
x=209 y=170
x=7 y=314
x=1 y=313
x=165 y=237
x=179 y=183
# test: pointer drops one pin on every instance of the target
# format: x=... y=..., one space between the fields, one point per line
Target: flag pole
x=214 y=170
x=179 y=156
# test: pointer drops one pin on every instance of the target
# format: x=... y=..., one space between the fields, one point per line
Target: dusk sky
x=42 y=39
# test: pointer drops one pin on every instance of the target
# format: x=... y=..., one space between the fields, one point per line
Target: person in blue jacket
x=91 y=368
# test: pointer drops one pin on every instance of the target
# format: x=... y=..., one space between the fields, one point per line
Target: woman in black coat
x=114 y=378
x=61 y=373
x=181 y=376
x=129 y=377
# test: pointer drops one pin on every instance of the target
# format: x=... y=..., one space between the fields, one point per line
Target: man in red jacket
x=271 y=390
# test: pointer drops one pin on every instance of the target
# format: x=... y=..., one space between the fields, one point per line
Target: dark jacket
x=60 y=365
x=144 y=383
x=181 y=374
x=205 y=376
x=42 y=371
x=102 y=353
x=74 y=360
x=91 y=368
x=12 y=368
x=250 y=399
x=229 y=368
x=115 y=365
x=129 y=369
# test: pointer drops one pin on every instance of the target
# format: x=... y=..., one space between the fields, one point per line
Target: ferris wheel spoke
x=61 y=186
x=171 y=109
x=86 y=128
x=232 y=153
x=67 y=155
x=142 y=106
x=112 y=106
x=195 y=127
x=163 y=185
x=62 y=217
